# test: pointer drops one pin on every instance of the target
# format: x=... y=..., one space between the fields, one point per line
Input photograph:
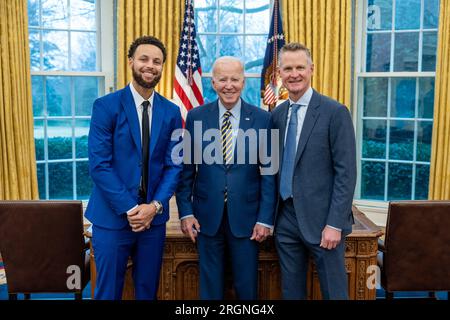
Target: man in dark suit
x=130 y=162
x=228 y=200
x=316 y=180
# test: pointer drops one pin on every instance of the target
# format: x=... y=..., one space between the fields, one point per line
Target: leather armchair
x=43 y=247
x=415 y=255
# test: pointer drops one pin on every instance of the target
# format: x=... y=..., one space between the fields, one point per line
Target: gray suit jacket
x=325 y=170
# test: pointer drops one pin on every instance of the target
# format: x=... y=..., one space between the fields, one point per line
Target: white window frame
x=218 y=33
x=377 y=207
x=105 y=63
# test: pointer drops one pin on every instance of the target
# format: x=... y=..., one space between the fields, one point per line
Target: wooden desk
x=180 y=275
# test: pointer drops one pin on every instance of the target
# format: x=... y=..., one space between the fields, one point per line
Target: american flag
x=275 y=40
x=187 y=84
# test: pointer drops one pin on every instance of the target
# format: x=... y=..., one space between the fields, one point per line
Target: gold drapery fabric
x=324 y=26
x=18 y=179
x=160 y=18
x=439 y=188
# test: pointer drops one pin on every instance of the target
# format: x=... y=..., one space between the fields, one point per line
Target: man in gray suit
x=316 y=180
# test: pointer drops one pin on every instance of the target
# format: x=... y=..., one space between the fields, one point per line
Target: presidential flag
x=187 y=84
x=269 y=77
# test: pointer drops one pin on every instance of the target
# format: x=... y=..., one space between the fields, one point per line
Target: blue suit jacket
x=325 y=166
x=250 y=196
x=115 y=158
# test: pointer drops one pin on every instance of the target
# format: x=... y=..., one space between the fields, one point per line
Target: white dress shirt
x=138 y=100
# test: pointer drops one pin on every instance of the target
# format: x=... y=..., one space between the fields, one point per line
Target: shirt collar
x=304 y=99
x=138 y=99
x=235 y=111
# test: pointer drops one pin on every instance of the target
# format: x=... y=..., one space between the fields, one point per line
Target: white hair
x=227 y=59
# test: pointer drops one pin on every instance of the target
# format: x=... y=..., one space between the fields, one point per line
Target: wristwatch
x=158 y=205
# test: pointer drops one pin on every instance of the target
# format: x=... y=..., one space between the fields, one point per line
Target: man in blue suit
x=130 y=162
x=228 y=202
x=316 y=180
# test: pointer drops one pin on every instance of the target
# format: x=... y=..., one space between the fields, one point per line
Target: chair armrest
x=381 y=246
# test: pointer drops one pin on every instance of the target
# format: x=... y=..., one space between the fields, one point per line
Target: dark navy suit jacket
x=251 y=196
x=325 y=166
x=115 y=158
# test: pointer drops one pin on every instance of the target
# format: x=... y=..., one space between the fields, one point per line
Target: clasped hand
x=141 y=217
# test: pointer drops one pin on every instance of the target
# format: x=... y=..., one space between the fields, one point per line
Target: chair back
x=40 y=242
x=417 y=246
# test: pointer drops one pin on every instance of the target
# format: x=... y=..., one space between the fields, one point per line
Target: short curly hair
x=147 y=40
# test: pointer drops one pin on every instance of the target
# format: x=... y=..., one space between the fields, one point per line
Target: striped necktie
x=227 y=143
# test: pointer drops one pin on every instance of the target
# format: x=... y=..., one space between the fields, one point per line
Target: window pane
x=257 y=14
x=83 y=51
x=82 y=14
x=401 y=144
x=206 y=15
x=407 y=14
x=429 y=51
x=39 y=139
x=431 y=14
x=372 y=180
x=209 y=94
x=403 y=97
x=255 y=47
x=35 y=50
x=375 y=97
x=60 y=180
x=374 y=139
x=378 y=52
x=86 y=90
x=231 y=46
x=84 y=182
x=251 y=91
x=37 y=91
x=422 y=181
x=400 y=181
x=231 y=18
x=379 y=15
x=424 y=131
x=426 y=98
x=33 y=13
x=208 y=50
x=55 y=14
x=55 y=50
x=40 y=168
x=406 y=51
x=59 y=139
x=58 y=96
x=81 y=138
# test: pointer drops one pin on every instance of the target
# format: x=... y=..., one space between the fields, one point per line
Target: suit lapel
x=308 y=124
x=245 y=122
x=284 y=107
x=158 y=113
x=130 y=110
x=213 y=117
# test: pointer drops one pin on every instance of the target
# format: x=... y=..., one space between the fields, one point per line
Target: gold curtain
x=324 y=26
x=18 y=178
x=440 y=156
x=159 y=18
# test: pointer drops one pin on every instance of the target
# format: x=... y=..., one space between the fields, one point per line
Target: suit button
x=140 y=164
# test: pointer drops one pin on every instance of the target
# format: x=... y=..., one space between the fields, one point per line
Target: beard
x=146 y=84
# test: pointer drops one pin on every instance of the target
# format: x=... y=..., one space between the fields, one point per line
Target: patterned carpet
x=2 y=274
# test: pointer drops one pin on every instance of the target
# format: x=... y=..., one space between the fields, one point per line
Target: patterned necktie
x=145 y=149
x=227 y=143
x=290 y=148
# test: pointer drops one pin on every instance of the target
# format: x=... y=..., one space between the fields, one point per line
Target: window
x=233 y=28
x=67 y=76
x=395 y=75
